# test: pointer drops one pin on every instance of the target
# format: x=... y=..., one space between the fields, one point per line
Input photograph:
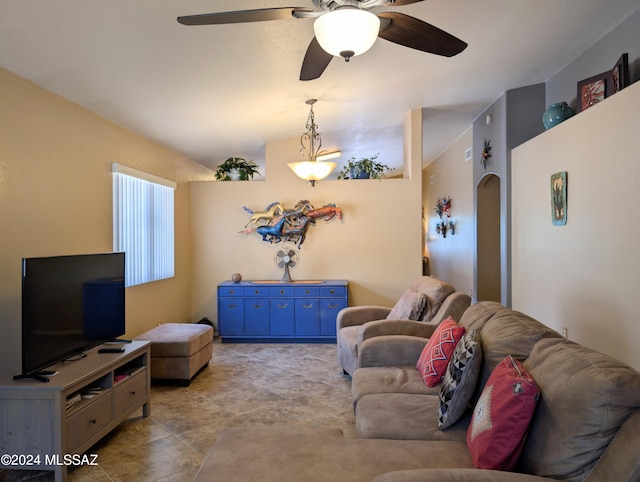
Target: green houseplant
x=236 y=168
x=364 y=168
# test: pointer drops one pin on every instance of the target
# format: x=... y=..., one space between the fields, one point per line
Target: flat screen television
x=70 y=304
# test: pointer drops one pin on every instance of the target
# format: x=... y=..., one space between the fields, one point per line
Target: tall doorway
x=488 y=266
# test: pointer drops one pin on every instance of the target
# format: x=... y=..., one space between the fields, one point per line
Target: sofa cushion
x=460 y=379
x=436 y=354
x=586 y=397
x=409 y=307
x=506 y=333
x=277 y=453
x=436 y=291
x=404 y=416
x=501 y=417
x=401 y=379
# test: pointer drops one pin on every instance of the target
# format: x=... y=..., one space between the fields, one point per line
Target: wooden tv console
x=39 y=431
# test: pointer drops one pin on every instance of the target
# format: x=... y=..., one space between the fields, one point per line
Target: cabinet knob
x=333 y=292
x=93 y=421
x=282 y=305
x=306 y=292
x=281 y=292
x=333 y=306
x=307 y=305
x=132 y=393
x=231 y=292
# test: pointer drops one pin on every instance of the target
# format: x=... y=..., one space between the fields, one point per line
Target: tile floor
x=245 y=384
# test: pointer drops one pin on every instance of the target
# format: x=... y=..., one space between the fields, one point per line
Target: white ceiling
x=210 y=92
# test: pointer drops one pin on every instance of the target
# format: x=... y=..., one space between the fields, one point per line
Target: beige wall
x=376 y=246
x=583 y=276
x=451 y=258
x=55 y=199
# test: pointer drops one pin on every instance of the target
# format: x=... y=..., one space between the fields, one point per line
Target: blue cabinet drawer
x=230 y=291
x=261 y=291
x=305 y=291
x=282 y=291
x=333 y=291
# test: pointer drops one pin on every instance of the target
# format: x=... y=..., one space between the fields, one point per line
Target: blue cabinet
x=297 y=312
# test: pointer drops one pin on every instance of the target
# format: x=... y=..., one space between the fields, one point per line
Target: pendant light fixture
x=347 y=31
x=314 y=169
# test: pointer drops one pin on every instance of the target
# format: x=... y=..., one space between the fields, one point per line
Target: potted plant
x=236 y=168
x=364 y=168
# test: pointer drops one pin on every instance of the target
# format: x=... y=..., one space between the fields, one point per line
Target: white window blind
x=143 y=226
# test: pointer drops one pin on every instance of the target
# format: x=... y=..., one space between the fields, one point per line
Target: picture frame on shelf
x=594 y=89
x=620 y=73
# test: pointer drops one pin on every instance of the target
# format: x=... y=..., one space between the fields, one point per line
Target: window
x=143 y=224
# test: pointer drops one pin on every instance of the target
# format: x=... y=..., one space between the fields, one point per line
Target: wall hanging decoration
x=276 y=223
x=486 y=154
x=559 y=198
x=236 y=169
x=443 y=211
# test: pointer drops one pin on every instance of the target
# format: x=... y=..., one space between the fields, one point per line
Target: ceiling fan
x=351 y=18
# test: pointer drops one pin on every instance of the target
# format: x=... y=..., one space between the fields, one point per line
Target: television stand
x=48 y=423
x=40 y=376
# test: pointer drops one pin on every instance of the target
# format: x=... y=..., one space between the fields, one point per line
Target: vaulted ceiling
x=210 y=92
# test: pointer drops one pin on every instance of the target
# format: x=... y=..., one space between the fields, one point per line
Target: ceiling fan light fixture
x=347 y=31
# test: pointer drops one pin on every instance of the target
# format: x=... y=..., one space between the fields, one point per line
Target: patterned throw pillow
x=436 y=354
x=460 y=380
x=409 y=307
x=501 y=417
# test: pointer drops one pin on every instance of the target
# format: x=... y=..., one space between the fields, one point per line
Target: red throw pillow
x=501 y=417
x=436 y=354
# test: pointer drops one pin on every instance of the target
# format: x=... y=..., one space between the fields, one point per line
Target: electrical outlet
x=565 y=333
x=467 y=155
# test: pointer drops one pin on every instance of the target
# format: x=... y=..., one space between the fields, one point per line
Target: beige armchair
x=428 y=301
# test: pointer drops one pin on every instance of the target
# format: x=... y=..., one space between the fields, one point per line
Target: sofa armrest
x=395 y=327
x=391 y=350
x=456 y=475
x=358 y=315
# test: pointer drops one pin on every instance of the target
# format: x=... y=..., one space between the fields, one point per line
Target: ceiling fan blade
x=315 y=61
x=243 y=16
x=416 y=34
x=399 y=3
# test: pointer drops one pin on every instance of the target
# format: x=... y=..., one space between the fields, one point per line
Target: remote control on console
x=111 y=350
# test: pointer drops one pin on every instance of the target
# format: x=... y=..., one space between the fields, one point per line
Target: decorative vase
x=236 y=277
x=556 y=113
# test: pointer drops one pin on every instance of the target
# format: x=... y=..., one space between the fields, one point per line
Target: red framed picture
x=594 y=89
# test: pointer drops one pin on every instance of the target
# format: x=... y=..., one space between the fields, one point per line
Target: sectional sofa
x=586 y=424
